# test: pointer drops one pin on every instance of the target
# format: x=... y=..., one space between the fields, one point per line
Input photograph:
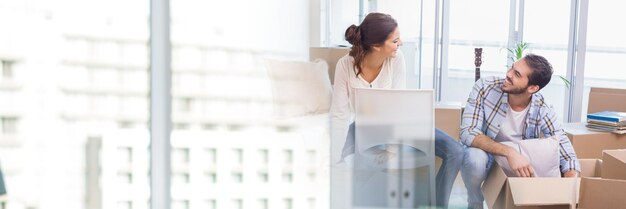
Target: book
x=610 y=128
x=602 y=130
x=606 y=123
x=610 y=116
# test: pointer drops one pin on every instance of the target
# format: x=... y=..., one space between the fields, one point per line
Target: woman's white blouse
x=391 y=76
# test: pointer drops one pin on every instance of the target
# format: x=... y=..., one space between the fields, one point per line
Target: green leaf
x=567 y=82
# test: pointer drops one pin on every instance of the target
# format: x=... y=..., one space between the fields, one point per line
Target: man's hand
x=571 y=173
x=519 y=164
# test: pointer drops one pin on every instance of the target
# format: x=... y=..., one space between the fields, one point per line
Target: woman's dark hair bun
x=352 y=35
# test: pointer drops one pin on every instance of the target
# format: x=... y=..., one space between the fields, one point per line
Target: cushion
x=299 y=88
x=543 y=155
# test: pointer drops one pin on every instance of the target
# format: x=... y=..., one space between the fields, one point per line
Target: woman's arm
x=340 y=109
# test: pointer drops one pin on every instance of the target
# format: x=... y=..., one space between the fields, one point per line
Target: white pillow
x=543 y=155
x=299 y=88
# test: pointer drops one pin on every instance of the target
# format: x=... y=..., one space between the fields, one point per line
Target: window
x=263 y=204
x=238 y=156
x=180 y=178
x=311 y=157
x=180 y=204
x=9 y=125
x=185 y=104
x=181 y=126
x=237 y=177
x=287 y=203
x=287 y=177
x=606 y=49
x=342 y=15
x=237 y=204
x=288 y=156
x=211 y=204
x=125 y=178
x=211 y=154
x=125 y=155
x=546 y=29
x=212 y=177
x=7 y=69
x=180 y=156
x=311 y=203
x=209 y=126
x=125 y=205
x=69 y=90
x=125 y=124
x=263 y=177
x=473 y=24
x=264 y=156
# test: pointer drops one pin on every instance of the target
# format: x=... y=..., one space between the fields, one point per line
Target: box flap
x=543 y=190
x=590 y=167
x=601 y=99
x=494 y=184
x=602 y=193
x=614 y=164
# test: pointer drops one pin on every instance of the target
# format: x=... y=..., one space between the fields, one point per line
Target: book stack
x=608 y=121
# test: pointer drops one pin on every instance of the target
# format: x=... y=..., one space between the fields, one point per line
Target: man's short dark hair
x=541 y=70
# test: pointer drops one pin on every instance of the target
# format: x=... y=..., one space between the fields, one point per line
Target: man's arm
x=472 y=135
x=551 y=126
x=517 y=162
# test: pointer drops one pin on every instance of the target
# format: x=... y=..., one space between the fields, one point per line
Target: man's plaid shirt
x=486 y=109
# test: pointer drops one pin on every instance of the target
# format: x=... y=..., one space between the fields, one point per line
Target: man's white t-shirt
x=512 y=127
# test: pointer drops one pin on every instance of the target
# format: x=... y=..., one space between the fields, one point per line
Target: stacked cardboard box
x=448 y=118
x=589 y=143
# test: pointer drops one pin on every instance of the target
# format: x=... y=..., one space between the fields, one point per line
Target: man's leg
x=476 y=164
x=451 y=152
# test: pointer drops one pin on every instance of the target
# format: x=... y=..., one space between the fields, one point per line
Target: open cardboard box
x=598 y=193
x=502 y=192
x=608 y=192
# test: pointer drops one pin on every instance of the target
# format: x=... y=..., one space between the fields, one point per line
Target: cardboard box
x=590 y=144
x=600 y=192
x=448 y=118
x=502 y=192
x=597 y=193
x=331 y=55
x=614 y=165
x=601 y=99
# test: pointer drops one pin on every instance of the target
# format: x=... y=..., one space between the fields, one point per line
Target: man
x=509 y=109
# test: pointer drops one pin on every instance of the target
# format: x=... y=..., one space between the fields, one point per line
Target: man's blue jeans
x=446 y=148
x=476 y=166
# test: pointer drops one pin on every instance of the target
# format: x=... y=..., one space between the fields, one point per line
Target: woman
x=375 y=62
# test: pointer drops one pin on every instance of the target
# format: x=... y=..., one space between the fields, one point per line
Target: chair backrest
x=392 y=116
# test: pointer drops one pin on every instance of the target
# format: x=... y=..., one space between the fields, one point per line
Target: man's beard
x=516 y=90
